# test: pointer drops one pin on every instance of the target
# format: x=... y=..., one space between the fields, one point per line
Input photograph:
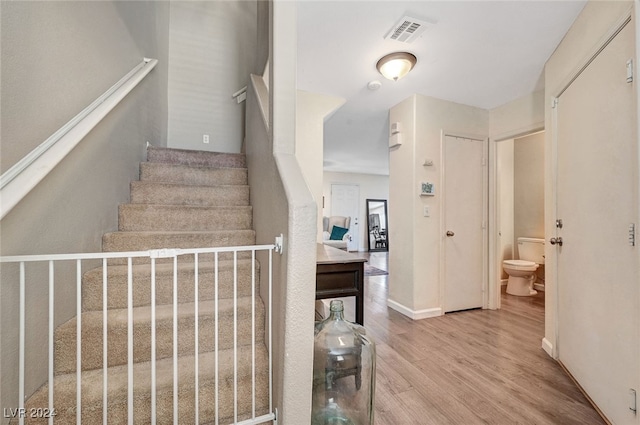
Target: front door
x=464 y=217
x=596 y=187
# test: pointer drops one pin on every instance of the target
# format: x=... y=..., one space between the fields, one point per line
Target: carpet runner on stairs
x=184 y=199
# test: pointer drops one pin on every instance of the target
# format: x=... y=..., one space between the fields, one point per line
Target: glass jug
x=344 y=364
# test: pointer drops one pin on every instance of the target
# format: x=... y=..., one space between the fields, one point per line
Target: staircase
x=184 y=199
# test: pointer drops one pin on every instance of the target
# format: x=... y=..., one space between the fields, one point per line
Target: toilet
x=522 y=272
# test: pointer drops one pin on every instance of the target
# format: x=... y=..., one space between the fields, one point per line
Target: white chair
x=327 y=230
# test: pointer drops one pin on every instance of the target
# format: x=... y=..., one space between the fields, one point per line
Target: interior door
x=597 y=202
x=464 y=215
x=345 y=201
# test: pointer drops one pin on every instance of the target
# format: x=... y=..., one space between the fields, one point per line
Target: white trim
x=18 y=180
x=414 y=314
x=521 y=132
x=262 y=94
x=548 y=347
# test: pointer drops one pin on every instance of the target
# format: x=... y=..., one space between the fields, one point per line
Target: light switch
x=425 y=211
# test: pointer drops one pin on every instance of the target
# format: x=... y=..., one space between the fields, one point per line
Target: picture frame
x=427 y=189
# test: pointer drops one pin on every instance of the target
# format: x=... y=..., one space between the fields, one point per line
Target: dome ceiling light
x=396 y=65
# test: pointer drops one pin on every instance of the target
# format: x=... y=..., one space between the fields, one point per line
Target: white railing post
x=216 y=342
x=105 y=346
x=78 y=341
x=51 y=338
x=235 y=336
x=175 y=340
x=253 y=333
x=21 y=343
x=153 y=342
x=270 y=350
x=196 y=336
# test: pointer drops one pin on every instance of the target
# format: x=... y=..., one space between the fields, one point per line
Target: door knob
x=450 y=233
x=554 y=241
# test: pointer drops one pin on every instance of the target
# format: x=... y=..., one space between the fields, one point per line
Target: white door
x=597 y=275
x=464 y=214
x=345 y=201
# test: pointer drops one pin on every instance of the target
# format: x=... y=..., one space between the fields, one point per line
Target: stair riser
x=182 y=174
x=196 y=158
x=140 y=241
x=141 y=283
x=92 y=399
x=172 y=194
x=140 y=217
x=65 y=345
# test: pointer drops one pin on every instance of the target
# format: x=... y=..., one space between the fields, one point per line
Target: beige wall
x=212 y=52
x=529 y=186
x=74 y=51
x=415 y=260
x=372 y=186
x=312 y=109
x=294 y=334
x=518 y=118
x=54 y=57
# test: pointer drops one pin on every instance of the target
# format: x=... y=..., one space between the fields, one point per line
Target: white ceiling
x=479 y=53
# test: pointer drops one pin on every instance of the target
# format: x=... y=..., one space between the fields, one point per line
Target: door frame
x=485 y=211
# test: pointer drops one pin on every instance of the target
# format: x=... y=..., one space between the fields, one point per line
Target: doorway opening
x=518 y=207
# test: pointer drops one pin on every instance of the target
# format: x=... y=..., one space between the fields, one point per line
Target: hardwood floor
x=471 y=367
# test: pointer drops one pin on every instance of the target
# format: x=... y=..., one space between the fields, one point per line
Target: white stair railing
x=197 y=257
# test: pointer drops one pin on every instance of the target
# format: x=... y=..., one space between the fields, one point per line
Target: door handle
x=450 y=233
x=556 y=241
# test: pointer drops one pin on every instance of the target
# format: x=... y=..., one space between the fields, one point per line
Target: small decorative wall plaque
x=427 y=189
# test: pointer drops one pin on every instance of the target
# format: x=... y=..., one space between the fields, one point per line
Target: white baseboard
x=547 y=347
x=539 y=286
x=504 y=282
x=414 y=314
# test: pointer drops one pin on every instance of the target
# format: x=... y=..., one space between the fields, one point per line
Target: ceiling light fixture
x=396 y=65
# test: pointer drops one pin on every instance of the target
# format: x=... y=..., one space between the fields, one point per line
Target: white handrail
x=18 y=180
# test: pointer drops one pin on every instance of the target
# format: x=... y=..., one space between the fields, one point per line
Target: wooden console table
x=340 y=274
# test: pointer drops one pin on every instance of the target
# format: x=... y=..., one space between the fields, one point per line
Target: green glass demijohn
x=344 y=365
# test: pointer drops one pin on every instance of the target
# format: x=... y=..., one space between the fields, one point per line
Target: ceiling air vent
x=408 y=29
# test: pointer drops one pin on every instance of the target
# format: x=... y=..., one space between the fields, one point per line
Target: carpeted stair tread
x=117 y=331
x=92 y=286
x=184 y=174
x=196 y=158
x=148 y=192
x=152 y=217
x=92 y=384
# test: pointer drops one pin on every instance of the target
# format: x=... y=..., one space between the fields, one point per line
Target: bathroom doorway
x=518 y=204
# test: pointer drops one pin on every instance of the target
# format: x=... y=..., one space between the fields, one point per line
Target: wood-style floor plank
x=466 y=368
